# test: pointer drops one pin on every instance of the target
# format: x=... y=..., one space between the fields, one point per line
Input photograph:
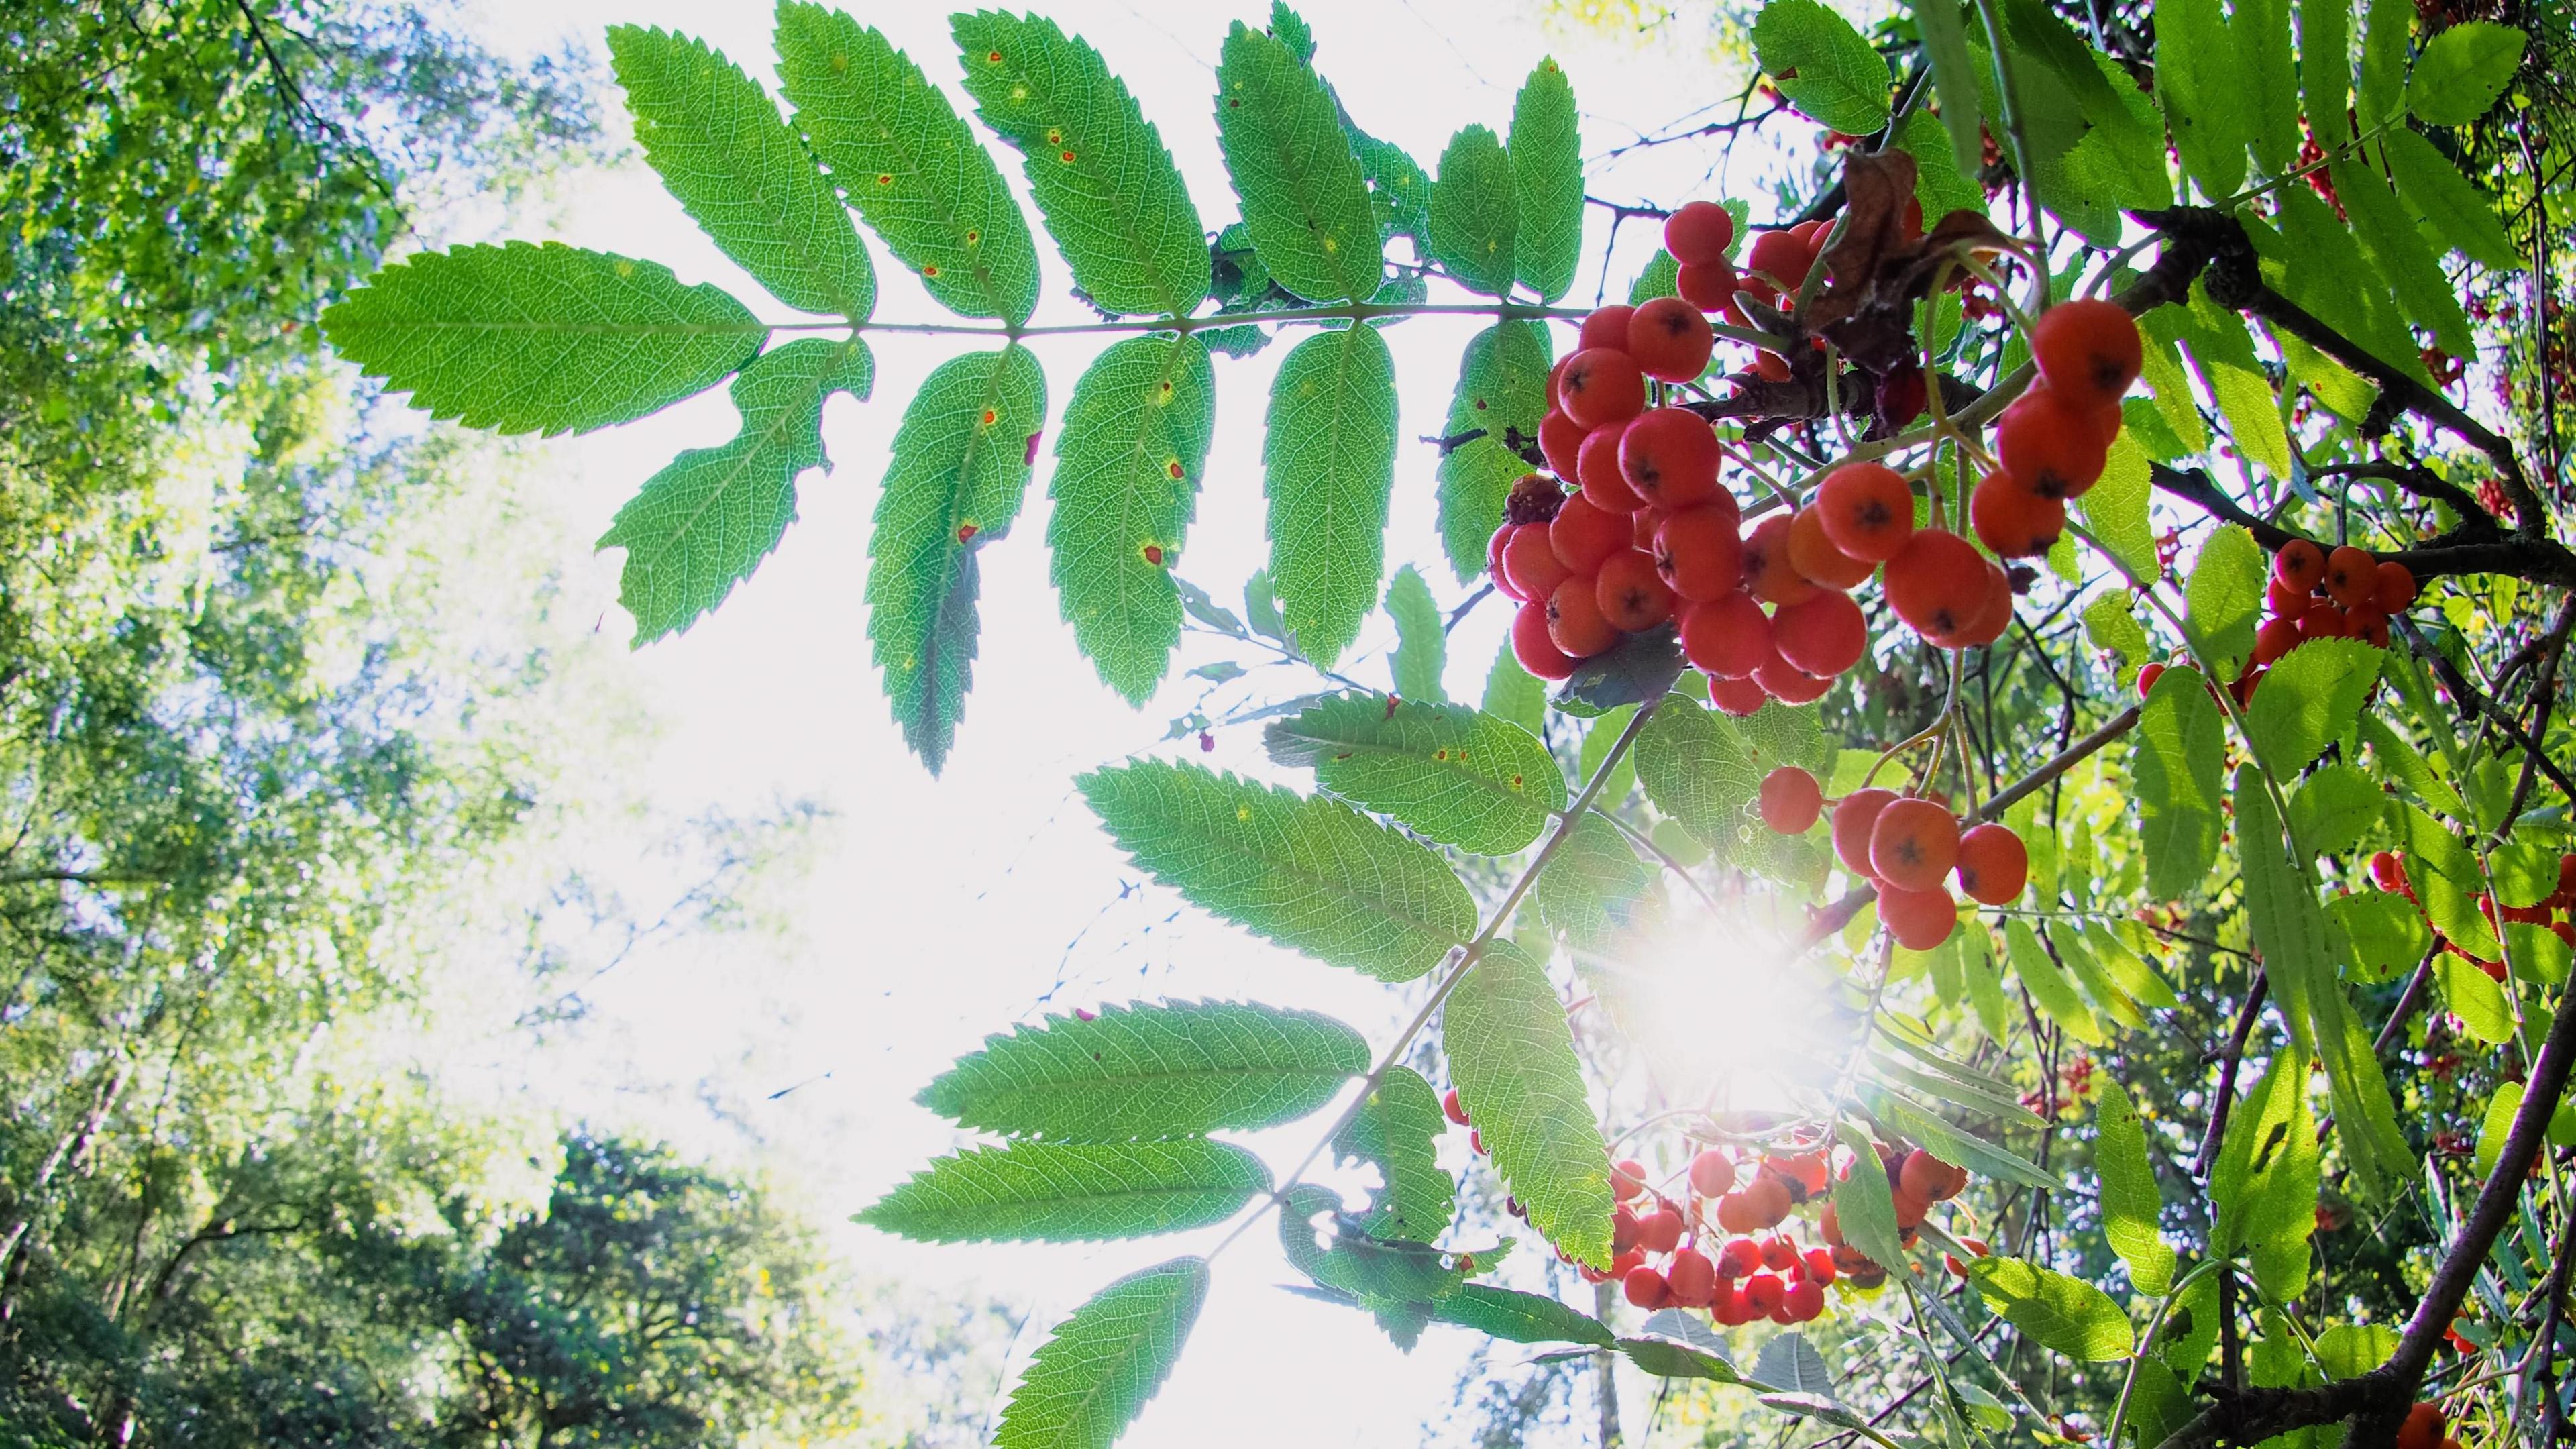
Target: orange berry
x=1786 y=682
x=2275 y=638
x=1606 y=327
x=1770 y=1199
x=1708 y=285
x=1819 y=1265
x=1992 y=618
x=1699 y=233
x=1804 y=1302
x=1913 y=843
x=1699 y=553
x=2394 y=588
x=1855 y=815
x=2423 y=1428
x=1583 y=533
x=1764 y=1293
x=1627 y=1178
x=1692 y=1278
x=1867 y=510
x=1993 y=864
x=1712 y=1174
x=2087 y=349
x=1816 y=559
x=1560 y=441
x=1669 y=457
x=2012 y=520
x=1575 y=622
x=1779 y=254
x=1919 y=920
x=1660 y=1231
x=2352 y=576
x=1726 y=638
x=1601 y=385
x=1596 y=467
x=2300 y=566
x=1736 y=1213
x=1790 y=800
x=2051 y=444
x=1823 y=636
x=1829 y=1226
x=1631 y=594
x=1737 y=697
x=1535 y=646
x=1779 y=1254
x=1768 y=574
x=1530 y=562
x=1937 y=583
x=1929 y=1179
x=1645 y=1287
x=1670 y=339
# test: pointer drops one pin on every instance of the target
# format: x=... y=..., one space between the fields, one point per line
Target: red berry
x=1584 y=533
x=2275 y=638
x=1692 y=1278
x=1699 y=233
x=1660 y=1231
x=1669 y=457
x=1816 y=558
x=1449 y=1104
x=1768 y=574
x=1739 y=1257
x=1606 y=327
x=1787 y=683
x=1913 y=844
x=1645 y=1287
x=1763 y=1293
x=1990 y=621
x=1601 y=385
x=1631 y=594
x=1937 y=584
x=2051 y=445
x=1534 y=647
x=1709 y=286
x=1623 y=1229
x=1737 y=697
x=1919 y=920
x=2012 y=520
x=1529 y=558
x=1823 y=636
x=2147 y=676
x=2300 y=566
x=1855 y=815
x=2423 y=1428
x=1596 y=467
x=2395 y=588
x=1699 y=554
x=1804 y=1302
x=1791 y=801
x=1560 y=441
x=1993 y=864
x=1627 y=1178
x=1726 y=638
x=1712 y=1174
x=2087 y=349
x=1929 y=1179
x=2352 y=576
x=1574 y=620
x=1494 y=562
x=1670 y=340
x=1779 y=254
x=1867 y=510
x=1819 y=1265
x=2388 y=872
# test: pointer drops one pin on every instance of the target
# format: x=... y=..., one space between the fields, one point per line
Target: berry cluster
x=2426 y=1427
x=1747 y=1278
x=1915 y=1181
x=2314 y=594
x=2557 y=911
x=2052 y=443
x=1907 y=845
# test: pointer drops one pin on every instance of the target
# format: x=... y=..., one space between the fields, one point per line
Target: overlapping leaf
x=1396 y=1127
x=1511 y=1055
x=2131 y=1203
x=2265 y=1180
x=1328 y=466
x=2066 y=1314
x=1096 y=1371
x=1517 y=1317
x=2308 y=697
x=1421 y=637
x=1502 y=396
x=1063 y=1192
x=1827 y=69
x=1461 y=777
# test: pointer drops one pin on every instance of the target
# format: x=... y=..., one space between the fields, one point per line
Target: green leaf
x=2048 y=985
x=1790 y=1364
x=2399 y=757
x=2245 y=399
x=1516 y=1317
x=1866 y=1209
x=1985 y=980
x=2349 y=1350
x=1399 y=1281
x=2310 y=696
x=2178 y=761
x=2386 y=37
x=1949 y=1143
x=2381 y=934
x=1660 y=277
x=1547 y=179
x=1474 y=214
x=1667 y=1358
x=1178 y=1069
x=1328 y=467
x=1591 y=889
x=1638 y=668
x=2076 y=955
x=1102 y=177
x=1502 y=392
x=1128 y=463
x=2446 y=879
x=2111 y=624
x=1062 y=1192
x=2320 y=266
x=2260 y=31
x=1421 y=638
x=1292 y=30
x=551 y=339
x=2138 y=980
x=2114 y=509
x=960 y=465
x=1395 y=1127
x=2462 y=71
x=2265 y=1180
x=1698 y=769
x=1954 y=79
x=2475 y=998
x=2402 y=257
x=1455 y=775
x=707 y=519
x=1093 y=1375
x=2224 y=597
x=2066 y=1314
x=1511 y=1055
x=1311 y=874
x=2170 y=389
x=1827 y=69
x=2460 y=213
x=1598 y=736
x=2200 y=74
x=2131 y=1202
x=717 y=141
x=1399 y=189
x=1304 y=198
x=1514 y=695
x=1939 y=184
x=904 y=159
x=2334 y=807
x=2325 y=69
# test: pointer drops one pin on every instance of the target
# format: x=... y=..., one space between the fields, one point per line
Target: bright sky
x=942 y=910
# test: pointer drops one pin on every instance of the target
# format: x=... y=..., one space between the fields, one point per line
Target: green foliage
x=1517 y=1317
x=1096 y=1371
x=2225 y=591
x=2265 y=1179
x=2433 y=188
x=1865 y=1206
x=1512 y=1058
x=2334 y=808
x=1421 y=637
x=1312 y=874
x=2307 y=699
x=1304 y=198
x=961 y=462
x=1395 y=1128
x=2200 y=71
x=1143 y=1072
x=551 y=339
x=2462 y=71
x=2066 y=1314
x=2131 y=1202
x=1502 y=393
x=1825 y=67
x=1954 y=78
x=1474 y=212
x=1063 y=1192
x=1547 y=182
x=1328 y=466
x=1458 y=776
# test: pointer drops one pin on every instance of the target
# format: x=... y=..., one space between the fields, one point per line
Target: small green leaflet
x=2462 y=71
x=2115 y=509
x=1516 y=1317
x=1304 y=198
x=1591 y=890
x=2333 y=808
x=1094 y=1374
x=2398 y=757
x=2198 y=69
x=1546 y=152
x=2309 y=696
x=2404 y=260
x=1128 y=463
x=2387 y=38
x=2265 y=1180
x=1395 y=1128
x=1511 y=1055
x=1062 y=1192
x=716 y=139
x=2380 y=934
x=960 y=464
x=704 y=522
x=2460 y=213
x=1660 y=277
x=540 y=339
x=1698 y=769
x=1951 y=1144
x=1453 y=774
x=1939 y=185
x=1514 y=695
x=2111 y=624
x=1398 y=186
x=2076 y=954
x=1501 y=395
x=2325 y=69
x=1328 y=466
x=1102 y=177
x=2260 y=31
x=2224 y=596
x=1311 y=874
x=1146 y=1071
x=1397 y=1281
x=2446 y=878
x=1827 y=69
x=2131 y=1202
x=1866 y=1208
x=2129 y=969
x=1954 y=77
x=2475 y=998
x=1789 y=1364
x=2048 y=984
x=902 y=157
x=1985 y=979
x=1421 y=638
x=2066 y=1314
x=1474 y=214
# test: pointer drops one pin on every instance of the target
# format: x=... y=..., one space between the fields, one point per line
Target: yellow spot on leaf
x=840 y=60
x=1243 y=812
x=625 y=268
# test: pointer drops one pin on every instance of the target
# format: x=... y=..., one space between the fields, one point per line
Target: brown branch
x=2470 y=697
x=2477 y=546
x=2226 y=1093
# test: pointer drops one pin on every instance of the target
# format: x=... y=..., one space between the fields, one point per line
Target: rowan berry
x=1771 y=367
x=2148 y=674
x=2012 y=520
x=1623 y=1229
x=1709 y=286
x=1804 y=1302
x=1560 y=441
x=1931 y=1179
x=1574 y=620
x=1643 y=525
x=1670 y=458
x=1919 y=920
x=1625 y=1261
x=1854 y=817
x=1816 y=559
x=2275 y=638
x=1764 y=1293
x=1699 y=554
x=1770 y=1199
x=1739 y=1257
x=1596 y=467
x=1778 y=1254
x=1660 y=1231
x=1584 y=533
x=2050 y=445
x=1627 y=1178
x=1910 y=1210
x=1712 y=1174
x=1976 y=1249
x=1737 y=1214
x=1494 y=562
x=1823 y=636
x=1726 y=638
x=1645 y=1287
x=1829 y=1226
x=1790 y=800
x=1606 y=327
x=1781 y=257
x=1530 y=561
x=1535 y=647
x=1737 y=697
x=1937 y=583
x=1449 y=1105
x=2394 y=588
x=1768 y=574
x=2352 y=576
x=1912 y=844
x=1601 y=385
x=2388 y=872
x=1993 y=864
x=1670 y=339
x=1700 y=232
x=2283 y=602
x=2364 y=621
x=1631 y=594
x=2087 y=349
x=1691 y=1278
x=1990 y=621
x=1476 y=1141
x=2299 y=567
x=1786 y=682
x=2423 y=1428
x=1819 y=1265
x=2322 y=622
x=1867 y=510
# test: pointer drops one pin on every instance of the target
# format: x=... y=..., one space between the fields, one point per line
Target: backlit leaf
x=2431 y=184
x=2332 y=809
x=2308 y=697
x=1071 y=1191
x=1421 y=637
x=2066 y=1314
x=2265 y=1180
x=2404 y=261
x=1458 y=776
x=2200 y=74
x=2048 y=985
x=2225 y=596
x=1304 y=199
x=1395 y=1128
x=1474 y=214
x=1512 y=1058
x=2131 y=1202
x=2462 y=71
x=1096 y=1371
x=1827 y=69
x=1328 y=467
x=1516 y=1317
x=1501 y=394
x=1546 y=148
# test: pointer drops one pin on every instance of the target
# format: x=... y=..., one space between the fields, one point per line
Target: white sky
x=942 y=910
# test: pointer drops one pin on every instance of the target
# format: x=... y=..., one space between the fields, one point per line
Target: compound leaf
x=2131 y=1202
x=2460 y=213
x=2308 y=698
x=2463 y=69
